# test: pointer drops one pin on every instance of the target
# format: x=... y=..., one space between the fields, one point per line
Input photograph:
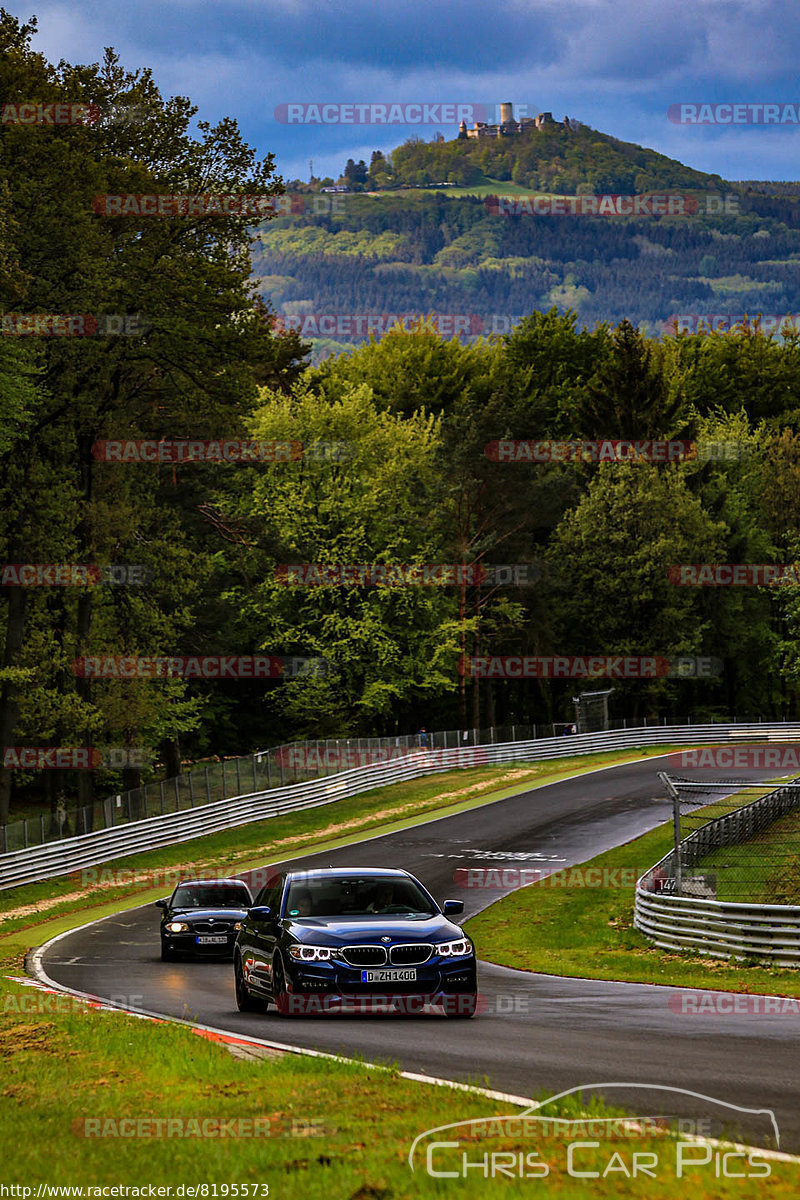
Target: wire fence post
x=676 y=828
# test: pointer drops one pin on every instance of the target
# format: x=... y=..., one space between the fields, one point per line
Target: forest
x=388 y=461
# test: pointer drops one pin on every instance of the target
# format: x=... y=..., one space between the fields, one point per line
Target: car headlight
x=178 y=927
x=311 y=953
x=237 y=925
x=454 y=949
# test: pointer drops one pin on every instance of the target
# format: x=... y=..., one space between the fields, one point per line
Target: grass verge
x=564 y=927
x=92 y=1098
x=763 y=870
x=72 y=1075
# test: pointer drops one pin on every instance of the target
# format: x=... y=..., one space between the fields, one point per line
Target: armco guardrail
x=86 y=850
x=721 y=928
x=263 y=770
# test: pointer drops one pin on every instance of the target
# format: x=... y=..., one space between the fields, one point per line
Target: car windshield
x=211 y=896
x=357 y=897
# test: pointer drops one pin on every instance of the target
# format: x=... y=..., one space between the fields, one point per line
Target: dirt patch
x=40 y=1037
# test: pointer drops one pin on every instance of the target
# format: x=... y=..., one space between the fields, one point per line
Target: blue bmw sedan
x=353 y=940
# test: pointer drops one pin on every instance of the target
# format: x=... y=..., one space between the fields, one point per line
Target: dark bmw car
x=353 y=940
x=203 y=917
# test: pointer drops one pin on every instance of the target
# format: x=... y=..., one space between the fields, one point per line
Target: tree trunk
x=9 y=693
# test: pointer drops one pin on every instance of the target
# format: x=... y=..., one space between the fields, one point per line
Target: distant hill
x=554 y=158
x=421 y=248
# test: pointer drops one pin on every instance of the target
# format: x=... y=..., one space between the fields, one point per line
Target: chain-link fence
x=735 y=840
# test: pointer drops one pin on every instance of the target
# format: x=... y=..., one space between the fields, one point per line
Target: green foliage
x=552 y=158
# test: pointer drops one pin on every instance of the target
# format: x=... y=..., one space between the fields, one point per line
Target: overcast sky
x=617 y=65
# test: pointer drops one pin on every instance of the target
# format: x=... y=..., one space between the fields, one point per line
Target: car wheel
x=279 y=993
x=167 y=955
x=461 y=1006
x=245 y=1000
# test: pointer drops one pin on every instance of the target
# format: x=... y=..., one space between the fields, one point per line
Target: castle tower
x=462 y=129
x=506 y=113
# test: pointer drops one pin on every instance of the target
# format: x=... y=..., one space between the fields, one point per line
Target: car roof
x=349 y=872
x=211 y=883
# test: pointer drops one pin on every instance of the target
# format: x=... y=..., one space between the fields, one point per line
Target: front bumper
x=187 y=943
x=336 y=981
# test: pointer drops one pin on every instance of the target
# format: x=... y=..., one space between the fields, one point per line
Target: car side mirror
x=260 y=913
x=161 y=903
x=450 y=908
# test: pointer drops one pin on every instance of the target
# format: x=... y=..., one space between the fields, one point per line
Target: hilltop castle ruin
x=508 y=125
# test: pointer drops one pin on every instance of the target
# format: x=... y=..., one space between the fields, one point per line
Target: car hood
x=205 y=914
x=339 y=931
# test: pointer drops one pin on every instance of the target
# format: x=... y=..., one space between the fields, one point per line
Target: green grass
x=564 y=928
x=763 y=870
x=489 y=187
x=78 y=1084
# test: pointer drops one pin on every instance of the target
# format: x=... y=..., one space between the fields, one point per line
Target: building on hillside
x=508 y=125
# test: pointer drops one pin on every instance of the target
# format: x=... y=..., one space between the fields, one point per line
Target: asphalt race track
x=536 y=1033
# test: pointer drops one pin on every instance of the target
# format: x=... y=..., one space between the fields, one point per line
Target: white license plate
x=212 y=940
x=408 y=975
